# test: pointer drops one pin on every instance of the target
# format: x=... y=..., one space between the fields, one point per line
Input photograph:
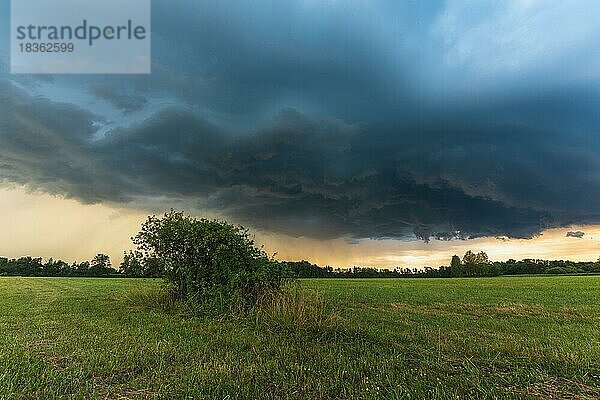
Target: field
x=522 y=337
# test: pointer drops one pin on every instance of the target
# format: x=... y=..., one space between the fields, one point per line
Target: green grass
x=525 y=337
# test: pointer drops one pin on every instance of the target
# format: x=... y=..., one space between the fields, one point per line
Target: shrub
x=206 y=260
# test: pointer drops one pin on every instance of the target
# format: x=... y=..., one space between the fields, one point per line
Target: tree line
x=99 y=266
x=471 y=265
x=135 y=265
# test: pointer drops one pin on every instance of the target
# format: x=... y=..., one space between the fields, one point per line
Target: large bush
x=204 y=259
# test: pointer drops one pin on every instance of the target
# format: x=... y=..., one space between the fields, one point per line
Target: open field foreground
x=525 y=337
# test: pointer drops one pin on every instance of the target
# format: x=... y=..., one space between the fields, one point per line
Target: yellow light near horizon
x=41 y=225
x=551 y=244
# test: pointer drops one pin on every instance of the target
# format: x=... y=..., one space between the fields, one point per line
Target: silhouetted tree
x=475 y=264
x=456 y=266
x=101 y=266
x=131 y=266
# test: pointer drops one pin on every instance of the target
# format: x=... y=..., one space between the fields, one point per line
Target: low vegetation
x=482 y=338
x=294 y=309
x=227 y=321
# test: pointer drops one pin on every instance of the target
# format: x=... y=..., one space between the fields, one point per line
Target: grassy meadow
x=480 y=338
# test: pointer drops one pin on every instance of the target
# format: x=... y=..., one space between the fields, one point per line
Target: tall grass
x=291 y=308
x=145 y=297
x=295 y=309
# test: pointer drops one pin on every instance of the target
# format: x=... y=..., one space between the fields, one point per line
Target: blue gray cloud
x=328 y=119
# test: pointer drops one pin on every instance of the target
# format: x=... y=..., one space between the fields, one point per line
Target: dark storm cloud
x=538 y=151
x=295 y=175
x=360 y=119
x=127 y=103
x=575 y=234
x=243 y=58
x=48 y=146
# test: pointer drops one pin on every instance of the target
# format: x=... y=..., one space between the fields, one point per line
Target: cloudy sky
x=344 y=132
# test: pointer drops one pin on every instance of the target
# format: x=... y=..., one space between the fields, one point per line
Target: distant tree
x=101 y=266
x=4 y=266
x=476 y=264
x=595 y=267
x=135 y=265
x=470 y=263
x=56 y=268
x=479 y=258
x=456 y=266
x=28 y=266
x=101 y=261
x=482 y=258
x=483 y=264
x=82 y=268
x=131 y=266
x=556 y=270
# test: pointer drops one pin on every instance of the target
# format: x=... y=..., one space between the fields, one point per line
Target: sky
x=355 y=132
